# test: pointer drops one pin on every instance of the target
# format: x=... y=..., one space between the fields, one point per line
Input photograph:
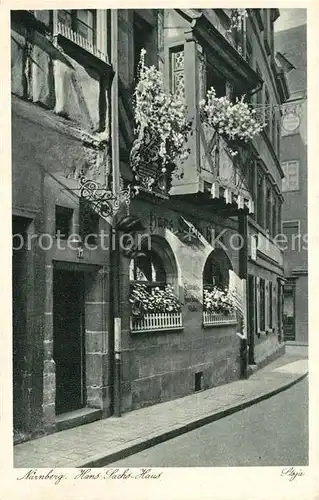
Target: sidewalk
x=105 y=441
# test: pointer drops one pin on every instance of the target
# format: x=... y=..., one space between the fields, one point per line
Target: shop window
x=89 y=223
x=215 y=273
x=148 y=269
x=82 y=22
x=154 y=304
x=63 y=221
x=291 y=180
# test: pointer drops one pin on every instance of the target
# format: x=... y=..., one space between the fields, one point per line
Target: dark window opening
x=198 y=381
x=268 y=210
x=147 y=268
x=262 y=305
x=216 y=81
x=63 y=221
x=144 y=37
x=270 y=305
x=260 y=199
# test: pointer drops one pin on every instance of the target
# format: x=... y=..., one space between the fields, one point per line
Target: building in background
x=80 y=350
x=292 y=49
x=61 y=79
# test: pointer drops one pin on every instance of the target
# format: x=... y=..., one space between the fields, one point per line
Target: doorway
x=20 y=292
x=289 y=313
x=68 y=340
x=251 y=318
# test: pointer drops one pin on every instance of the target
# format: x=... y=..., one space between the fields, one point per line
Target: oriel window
x=82 y=22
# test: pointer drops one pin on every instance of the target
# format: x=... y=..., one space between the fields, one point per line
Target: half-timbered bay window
x=82 y=22
x=85 y=28
x=154 y=305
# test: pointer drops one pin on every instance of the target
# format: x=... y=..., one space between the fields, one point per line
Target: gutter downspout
x=115 y=251
x=243 y=274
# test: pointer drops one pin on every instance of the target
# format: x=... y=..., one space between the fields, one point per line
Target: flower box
x=157 y=322
x=215 y=319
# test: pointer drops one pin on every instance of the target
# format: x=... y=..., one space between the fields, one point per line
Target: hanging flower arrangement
x=218 y=301
x=155 y=301
x=236 y=18
x=161 y=115
x=232 y=121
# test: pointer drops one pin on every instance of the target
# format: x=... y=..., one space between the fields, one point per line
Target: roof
x=292 y=43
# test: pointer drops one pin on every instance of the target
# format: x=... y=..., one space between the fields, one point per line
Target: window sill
x=157 y=322
x=211 y=320
x=95 y=60
x=158 y=330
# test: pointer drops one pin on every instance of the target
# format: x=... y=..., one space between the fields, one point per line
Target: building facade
x=80 y=353
x=292 y=43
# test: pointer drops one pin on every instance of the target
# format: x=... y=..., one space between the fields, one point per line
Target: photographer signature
x=292 y=473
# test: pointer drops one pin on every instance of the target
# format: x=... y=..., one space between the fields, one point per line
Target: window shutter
x=266 y=305
x=258 y=303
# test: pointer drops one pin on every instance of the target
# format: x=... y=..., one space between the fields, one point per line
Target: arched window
x=148 y=269
x=216 y=270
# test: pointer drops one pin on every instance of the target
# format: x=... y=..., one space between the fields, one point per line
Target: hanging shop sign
x=105 y=202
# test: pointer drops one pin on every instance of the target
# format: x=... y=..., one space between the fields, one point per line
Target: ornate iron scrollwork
x=103 y=201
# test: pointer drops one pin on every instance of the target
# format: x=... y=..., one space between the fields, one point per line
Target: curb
x=101 y=461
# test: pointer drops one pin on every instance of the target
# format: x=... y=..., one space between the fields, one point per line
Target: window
x=291 y=230
x=291 y=180
x=215 y=80
x=252 y=183
x=274 y=130
x=270 y=306
x=259 y=95
x=268 y=209
x=260 y=199
x=274 y=217
x=89 y=223
x=279 y=205
x=177 y=76
x=82 y=22
x=278 y=138
x=262 y=323
x=249 y=52
x=267 y=34
x=144 y=37
x=63 y=221
x=148 y=269
x=266 y=112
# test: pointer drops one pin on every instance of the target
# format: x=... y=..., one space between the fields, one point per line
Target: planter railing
x=157 y=321
x=213 y=319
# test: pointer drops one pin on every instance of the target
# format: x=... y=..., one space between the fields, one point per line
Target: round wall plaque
x=290 y=122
